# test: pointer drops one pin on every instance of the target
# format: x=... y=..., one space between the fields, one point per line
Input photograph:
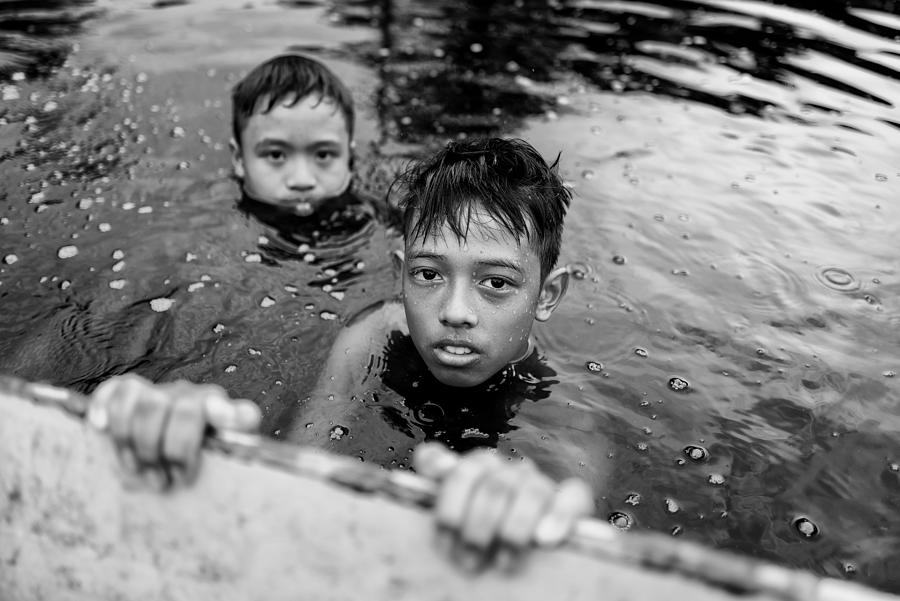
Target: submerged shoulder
x=371 y=327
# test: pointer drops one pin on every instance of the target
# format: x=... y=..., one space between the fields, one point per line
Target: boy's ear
x=237 y=162
x=552 y=292
x=398 y=258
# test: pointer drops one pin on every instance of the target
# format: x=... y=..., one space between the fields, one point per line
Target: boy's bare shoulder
x=386 y=315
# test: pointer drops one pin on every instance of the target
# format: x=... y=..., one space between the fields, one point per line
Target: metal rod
x=591 y=536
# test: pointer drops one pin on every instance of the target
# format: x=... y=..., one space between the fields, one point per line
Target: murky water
x=735 y=334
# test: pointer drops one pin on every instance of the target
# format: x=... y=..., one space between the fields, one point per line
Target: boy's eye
x=274 y=155
x=325 y=155
x=425 y=275
x=497 y=283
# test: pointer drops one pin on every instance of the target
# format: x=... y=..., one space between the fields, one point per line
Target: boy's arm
x=348 y=365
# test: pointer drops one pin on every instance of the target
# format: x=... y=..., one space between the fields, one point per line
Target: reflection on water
x=732 y=330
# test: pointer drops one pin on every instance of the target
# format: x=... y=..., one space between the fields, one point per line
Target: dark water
x=736 y=222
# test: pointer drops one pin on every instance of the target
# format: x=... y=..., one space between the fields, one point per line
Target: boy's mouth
x=455 y=355
x=303 y=208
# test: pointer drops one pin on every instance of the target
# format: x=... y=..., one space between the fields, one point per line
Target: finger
x=183 y=438
x=456 y=489
x=434 y=460
x=148 y=422
x=573 y=500
x=224 y=413
x=491 y=498
x=526 y=510
x=120 y=397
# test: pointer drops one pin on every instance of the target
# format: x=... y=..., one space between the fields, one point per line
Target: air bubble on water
x=67 y=252
x=182 y=165
x=672 y=505
x=838 y=279
x=118 y=266
x=805 y=527
x=161 y=304
x=620 y=520
x=337 y=432
x=679 y=384
x=230 y=369
x=193 y=287
x=10 y=259
x=64 y=285
x=177 y=132
x=117 y=284
x=696 y=453
x=104 y=227
x=144 y=210
x=475 y=47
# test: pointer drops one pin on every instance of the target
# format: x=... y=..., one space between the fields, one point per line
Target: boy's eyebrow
x=497 y=262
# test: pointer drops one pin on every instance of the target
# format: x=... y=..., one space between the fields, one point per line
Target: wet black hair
x=286 y=77
x=508 y=178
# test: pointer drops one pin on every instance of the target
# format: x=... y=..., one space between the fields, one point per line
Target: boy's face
x=470 y=304
x=296 y=156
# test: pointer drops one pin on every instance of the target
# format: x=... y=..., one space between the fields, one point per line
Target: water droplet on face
x=620 y=520
x=587 y=174
x=805 y=527
x=880 y=177
x=267 y=301
x=640 y=352
x=328 y=315
x=696 y=453
x=672 y=506
x=594 y=366
x=679 y=384
x=618 y=260
x=633 y=499
x=337 y=432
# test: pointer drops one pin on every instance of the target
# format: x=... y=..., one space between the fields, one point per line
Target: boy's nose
x=300 y=176
x=456 y=312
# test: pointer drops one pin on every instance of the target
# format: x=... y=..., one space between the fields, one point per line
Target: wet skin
x=470 y=304
x=294 y=156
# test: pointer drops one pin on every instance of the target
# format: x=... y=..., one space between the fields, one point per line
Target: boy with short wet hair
x=483 y=223
x=292 y=134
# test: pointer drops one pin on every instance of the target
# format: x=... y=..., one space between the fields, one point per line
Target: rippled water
x=735 y=334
